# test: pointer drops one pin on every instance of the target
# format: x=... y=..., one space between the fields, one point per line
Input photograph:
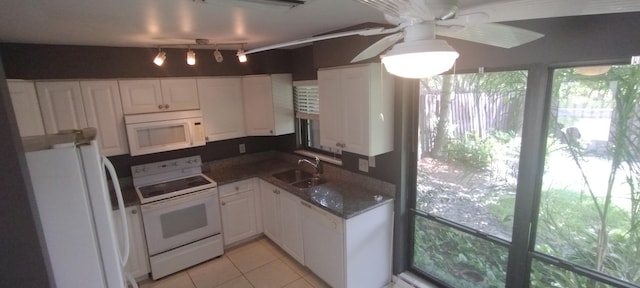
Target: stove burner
x=172 y=186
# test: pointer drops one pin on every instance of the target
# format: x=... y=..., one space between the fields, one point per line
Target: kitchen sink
x=299 y=179
x=292 y=176
x=308 y=183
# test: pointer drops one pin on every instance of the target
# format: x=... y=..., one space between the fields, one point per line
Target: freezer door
x=66 y=217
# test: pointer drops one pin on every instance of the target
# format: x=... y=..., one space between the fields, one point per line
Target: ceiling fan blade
x=491 y=34
x=363 y=32
x=378 y=47
x=501 y=11
x=409 y=10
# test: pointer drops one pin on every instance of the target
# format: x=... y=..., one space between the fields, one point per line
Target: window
x=589 y=214
x=307 y=117
x=581 y=225
x=469 y=145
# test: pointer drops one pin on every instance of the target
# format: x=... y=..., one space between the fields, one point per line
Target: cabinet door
x=258 y=105
x=179 y=94
x=238 y=217
x=291 y=233
x=138 y=262
x=61 y=106
x=331 y=108
x=355 y=97
x=222 y=110
x=103 y=108
x=270 y=211
x=282 y=95
x=26 y=108
x=141 y=96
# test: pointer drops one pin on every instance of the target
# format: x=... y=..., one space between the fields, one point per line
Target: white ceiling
x=149 y=23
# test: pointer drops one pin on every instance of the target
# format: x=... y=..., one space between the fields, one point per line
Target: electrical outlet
x=363 y=165
x=372 y=161
x=242 y=148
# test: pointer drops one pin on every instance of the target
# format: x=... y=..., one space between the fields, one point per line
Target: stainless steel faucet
x=317 y=165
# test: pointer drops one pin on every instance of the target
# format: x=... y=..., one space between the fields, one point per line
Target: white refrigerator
x=72 y=196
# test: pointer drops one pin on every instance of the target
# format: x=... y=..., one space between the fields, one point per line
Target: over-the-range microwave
x=165 y=131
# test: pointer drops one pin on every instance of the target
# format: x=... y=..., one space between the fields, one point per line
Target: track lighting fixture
x=160 y=57
x=200 y=44
x=218 y=56
x=191 y=57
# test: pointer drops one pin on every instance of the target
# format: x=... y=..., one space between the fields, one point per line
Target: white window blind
x=305 y=100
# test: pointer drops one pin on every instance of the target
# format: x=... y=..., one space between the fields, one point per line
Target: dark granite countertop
x=340 y=198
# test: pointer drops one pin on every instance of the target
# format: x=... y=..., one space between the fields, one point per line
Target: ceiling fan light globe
x=419 y=59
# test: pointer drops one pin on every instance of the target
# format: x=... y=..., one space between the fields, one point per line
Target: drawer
x=238 y=187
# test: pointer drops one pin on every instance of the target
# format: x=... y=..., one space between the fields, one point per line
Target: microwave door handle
x=123 y=214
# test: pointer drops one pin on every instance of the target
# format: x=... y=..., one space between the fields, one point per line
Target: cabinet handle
x=276 y=191
x=337 y=144
x=166 y=106
x=270 y=131
x=305 y=204
x=237 y=188
x=223 y=203
x=134 y=211
x=160 y=106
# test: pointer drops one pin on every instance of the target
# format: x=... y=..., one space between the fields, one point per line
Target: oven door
x=180 y=220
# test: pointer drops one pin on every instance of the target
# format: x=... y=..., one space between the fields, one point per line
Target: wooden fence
x=478 y=113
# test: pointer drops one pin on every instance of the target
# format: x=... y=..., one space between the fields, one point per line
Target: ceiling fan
x=417 y=22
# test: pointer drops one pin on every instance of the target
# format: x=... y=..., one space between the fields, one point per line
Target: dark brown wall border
x=36 y=61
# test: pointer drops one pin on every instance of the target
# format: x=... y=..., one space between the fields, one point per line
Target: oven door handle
x=123 y=214
x=178 y=199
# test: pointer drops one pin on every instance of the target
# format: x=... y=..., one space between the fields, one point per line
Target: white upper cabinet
x=268 y=104
x=356 y=109
x=221 y=106
x=141 y=96
x=179 y=94
x=25 y=106
x=61 y=106
x=153 y=95
x=103 y=109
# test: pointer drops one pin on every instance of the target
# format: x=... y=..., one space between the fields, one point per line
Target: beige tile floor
x=257 y=264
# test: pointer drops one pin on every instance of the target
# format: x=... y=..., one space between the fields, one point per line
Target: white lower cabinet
x=138 y=262
x=349 y=253
x=281 y=218
x=239 y=211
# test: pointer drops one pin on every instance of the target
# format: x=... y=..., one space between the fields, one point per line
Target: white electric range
x=180 y=213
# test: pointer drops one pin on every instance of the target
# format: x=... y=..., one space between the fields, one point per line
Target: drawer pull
x=223 y=203
x=134 y=211
x=237 y=188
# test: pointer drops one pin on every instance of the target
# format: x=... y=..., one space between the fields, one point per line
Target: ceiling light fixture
x=419 y=59
x=160 y=57
x=593 y=70
x=191 y=57
x=242 y=57
x=218 y=56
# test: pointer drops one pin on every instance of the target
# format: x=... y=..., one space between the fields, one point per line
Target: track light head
x=241 y=56
x=160 y=57
x=191 y=57
x=218 y=56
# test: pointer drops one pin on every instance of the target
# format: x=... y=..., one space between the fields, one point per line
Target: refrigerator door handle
x=123 y=214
